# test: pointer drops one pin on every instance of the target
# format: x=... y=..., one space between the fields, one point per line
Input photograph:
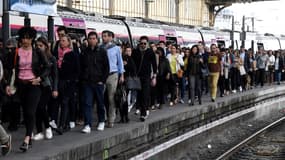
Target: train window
x=221 y=44
x=172 y=40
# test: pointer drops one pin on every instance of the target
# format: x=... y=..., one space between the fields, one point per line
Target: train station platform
x=125 y=141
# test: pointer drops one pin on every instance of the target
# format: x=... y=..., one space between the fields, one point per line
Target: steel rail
x=234 y=149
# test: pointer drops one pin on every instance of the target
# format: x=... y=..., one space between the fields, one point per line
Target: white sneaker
x=86 y=129
x=171 y=104
x=72 y=125
x=189 y=101
x=53 y=124
x=101 y=126
x=157 y=105
x=147 y=112
x=39 y=136
x=137 y=112
x=130 y=107
x=49 y=133
x=240 y=89
x=181 y=101
x=234 y=91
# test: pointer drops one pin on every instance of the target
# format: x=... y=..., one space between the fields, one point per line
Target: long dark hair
x=191 y=51
x=45 y=42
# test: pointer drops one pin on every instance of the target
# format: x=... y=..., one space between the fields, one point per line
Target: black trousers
x=162 y=88
x=144 y=96
x=235 y=78
x=30 y=97
x=67 y=98
x=221 y=84
x=153 y=95
x=261 y=76
x=174 y=84
x=42 y=116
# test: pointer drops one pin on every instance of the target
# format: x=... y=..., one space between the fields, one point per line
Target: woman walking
x=49 y=88
x=176 y=62
x=31 y=68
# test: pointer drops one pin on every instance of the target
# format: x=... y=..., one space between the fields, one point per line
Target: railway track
x=265 y=144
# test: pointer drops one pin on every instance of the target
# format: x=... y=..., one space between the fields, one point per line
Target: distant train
x=81 y=25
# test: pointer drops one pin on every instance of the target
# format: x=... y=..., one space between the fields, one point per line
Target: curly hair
x=27 y=32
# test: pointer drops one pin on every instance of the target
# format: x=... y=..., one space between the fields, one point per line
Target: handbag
x=180 y=73
x=242 y=70
x=12 y=86
x=134 y=83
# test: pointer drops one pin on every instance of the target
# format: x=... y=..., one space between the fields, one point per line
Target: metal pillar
x=69 y=3
x=111 y=7
x=177 y=11
x=147 y=9
x=50 y=29
x=243 y=32
x=233 y=32
x=5 y=22
x=27 y=20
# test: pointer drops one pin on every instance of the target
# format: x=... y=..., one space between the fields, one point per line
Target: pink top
x=25 y=64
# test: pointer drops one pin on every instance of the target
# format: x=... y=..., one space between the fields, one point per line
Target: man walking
x=116 y=72
x=95 y=71
x=145 y=61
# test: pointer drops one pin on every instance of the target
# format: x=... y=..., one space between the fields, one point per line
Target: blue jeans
x=277 y=76
x=89 y=92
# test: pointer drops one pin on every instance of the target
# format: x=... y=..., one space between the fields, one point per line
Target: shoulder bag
x=134 y=83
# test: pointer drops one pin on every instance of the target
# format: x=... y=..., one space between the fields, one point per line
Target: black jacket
x=130 y=67
x=39 y=65
x=148 y=62
x=94 y=65
x=163 y=68
x=70 y=67
x=194 y=66
x=52 y=78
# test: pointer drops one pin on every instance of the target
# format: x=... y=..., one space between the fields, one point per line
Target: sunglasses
x=143 y=43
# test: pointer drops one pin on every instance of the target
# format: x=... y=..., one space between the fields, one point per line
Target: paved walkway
x=42 y=149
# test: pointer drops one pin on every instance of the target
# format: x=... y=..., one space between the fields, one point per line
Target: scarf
x=61 y=53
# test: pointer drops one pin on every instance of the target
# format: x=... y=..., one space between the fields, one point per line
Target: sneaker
x=153 y=107
x=137 y=112
x=6 y=148
x=39 y=136
x=86 y=129
x=189 y=101
x=147 y=112
x=101 y=126
x=234 y=91
x=157 y=105
x=240 y=89
x=213 y=100
x=72 y=125
x=171 y=104
x=130 y=107
x=49 y=134
x=181 y=101
x=53 y=124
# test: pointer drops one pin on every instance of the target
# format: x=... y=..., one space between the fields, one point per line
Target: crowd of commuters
x=57 y=85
